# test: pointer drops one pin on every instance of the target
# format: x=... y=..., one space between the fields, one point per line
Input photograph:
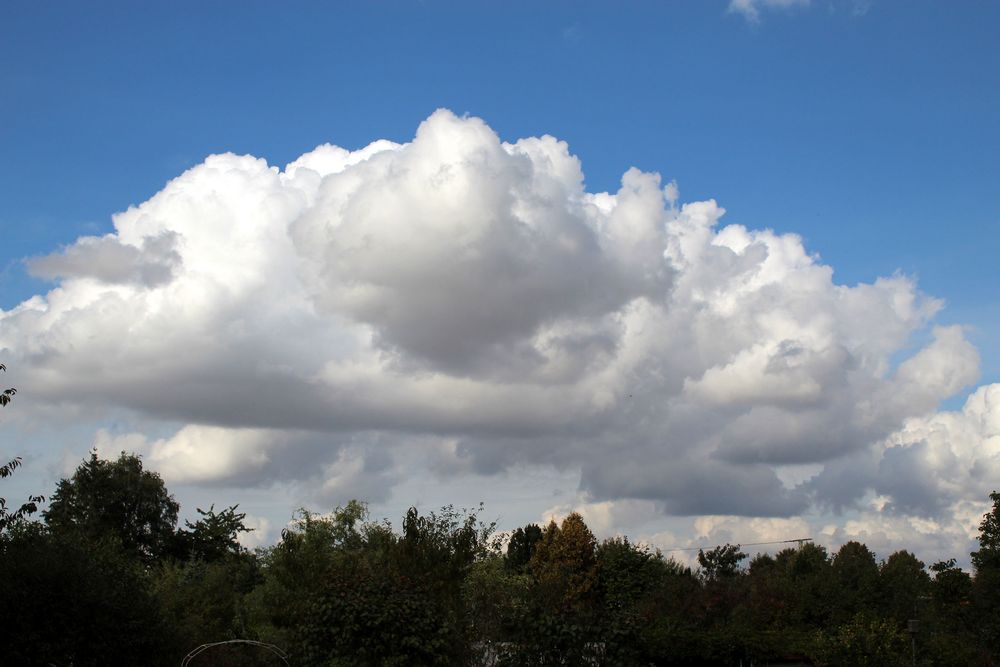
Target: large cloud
x=469 y=300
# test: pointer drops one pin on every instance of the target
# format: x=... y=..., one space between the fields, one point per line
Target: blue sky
x=870 y=129
x=873 y=136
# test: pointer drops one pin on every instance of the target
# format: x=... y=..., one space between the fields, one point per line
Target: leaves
x=7 y=394
x=8 y=518
x=721 y=562
x=116 y=501
x=214 y=536
x=342 y=589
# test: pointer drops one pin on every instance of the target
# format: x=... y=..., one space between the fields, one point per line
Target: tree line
x=105 y=575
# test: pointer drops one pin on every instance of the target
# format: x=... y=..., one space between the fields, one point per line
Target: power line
x=800 y=541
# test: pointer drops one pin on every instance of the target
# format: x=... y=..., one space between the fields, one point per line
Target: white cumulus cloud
x=469 y=299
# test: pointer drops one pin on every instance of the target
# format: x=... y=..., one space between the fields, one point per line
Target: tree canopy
x=116 y=500
x=109 y=578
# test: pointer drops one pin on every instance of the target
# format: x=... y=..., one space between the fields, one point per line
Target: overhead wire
x=747 y=544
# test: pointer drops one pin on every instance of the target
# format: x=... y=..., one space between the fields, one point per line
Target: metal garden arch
x=204 y=647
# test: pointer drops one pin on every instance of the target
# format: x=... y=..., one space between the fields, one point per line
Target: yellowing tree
x=566 y=556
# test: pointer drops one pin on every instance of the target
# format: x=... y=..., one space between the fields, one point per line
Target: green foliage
x=293 y=569
x=673 y=633
x=987 y=557
x=70 y=603
x=444 y=543
x=558 y=619
x=630 y=575
x=521 y=547
x=855 y=579
x=947 y=637
x=566 y=559
x=203 y=601
x=107 y=580
x=721 y=562
x=903 y=586
x=7 y=394
x=212 y=537
x=349 y=592
x=10 y=517
x=493 y=595
x=806 y=587
x=863 y=641
x=628 y=572
x=986 y=585
x=365 y=614
x=117 y=502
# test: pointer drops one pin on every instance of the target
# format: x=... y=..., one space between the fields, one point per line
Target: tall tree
x=949 y=637
x=559 y=622
x=567 y=556
x=116 y=501
x=903 y=587
x=806 y=584
x=986 y=584
x=630 y=575
x=855 y=581
x=521 y=547
x=987 y=557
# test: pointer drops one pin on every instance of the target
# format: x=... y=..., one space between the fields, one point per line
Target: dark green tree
x=212 y=537
x=986 y=584
x=903 y=587
x=724 y=591
x=559 y=620
x=987 y=557
x=863 y=641
x=805 y=583
x=398 y=601
x=762 y=611
x=67 y=602
x=294 y=568
x=345 y=591
x=492 y=592
x=629 y=575
x=854 y=578
x=949 y=636
x=521 y=547
x=675 y=623
x=566 y=557
x=118 y=502
x=202 y=589
x=204 y=601
x=721 y=562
